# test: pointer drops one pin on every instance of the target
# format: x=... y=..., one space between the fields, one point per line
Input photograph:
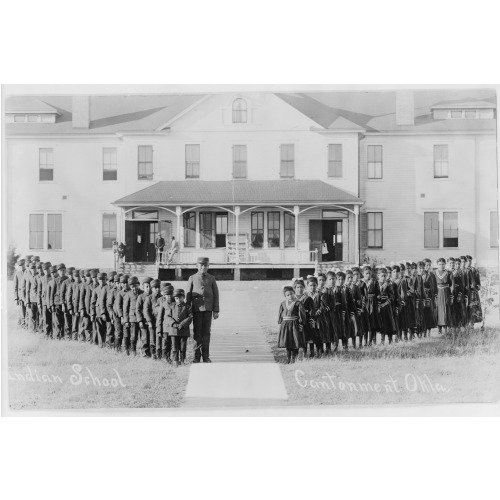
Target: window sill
x=375 y=180
x=46 y=182
x=441 y=179
x=145 y=179
x=335 y=177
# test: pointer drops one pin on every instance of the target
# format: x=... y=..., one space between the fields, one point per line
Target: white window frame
x=46 y=231
x=381 y=178
x=245 y=111
x=104 y=164
x=192 y=163
x=45 y=181
x=328 y=174
x=103 y=214
x=375 y=229
x=287 y=161
x=434 y=161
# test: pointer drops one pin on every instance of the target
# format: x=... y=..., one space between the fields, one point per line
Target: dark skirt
x=475 y=311
x=387 y=324
x=444 y=312
x=290 y=336
x=324 y=328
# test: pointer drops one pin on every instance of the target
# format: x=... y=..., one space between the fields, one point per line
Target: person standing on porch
x=159 y=244
x=202 y=295
x=173 y=250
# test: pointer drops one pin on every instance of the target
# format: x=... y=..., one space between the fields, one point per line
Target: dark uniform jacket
x=163 y=311
x=55 y=297
x=139 y=306
x=43 y=298
x=18 y=282
x=32 y=289
x=151 y=307
x=85 y=298
x=65 y=287
x=96 y=305
x=130 y=305
x=176 y=322
x=202 y=293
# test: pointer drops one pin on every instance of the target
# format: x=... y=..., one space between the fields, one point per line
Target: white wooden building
x=371 y=175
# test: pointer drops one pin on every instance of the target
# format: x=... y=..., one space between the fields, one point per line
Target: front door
x=140 y=239
x=326 y=236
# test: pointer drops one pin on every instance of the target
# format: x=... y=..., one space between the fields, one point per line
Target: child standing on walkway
x=291 y=321
x=308 y=305
x=176 y=324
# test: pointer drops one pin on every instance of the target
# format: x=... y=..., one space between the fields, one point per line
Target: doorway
x=140 y=237
x=326 y=237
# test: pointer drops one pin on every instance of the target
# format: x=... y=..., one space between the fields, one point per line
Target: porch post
x=178 y=211
x=296 y=209
x=237 y=231
x=356 y=234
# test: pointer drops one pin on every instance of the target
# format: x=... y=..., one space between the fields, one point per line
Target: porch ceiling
x=239 y=192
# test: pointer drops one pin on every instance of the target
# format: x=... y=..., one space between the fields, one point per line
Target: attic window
x=19 y=118
x=33 y=118
x=239 y=111
x=467 y=113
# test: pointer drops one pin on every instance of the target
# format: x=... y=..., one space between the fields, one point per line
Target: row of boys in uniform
x=402 y=301
x=105 y=309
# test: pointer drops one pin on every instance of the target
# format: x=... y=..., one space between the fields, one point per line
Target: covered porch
x=242 y=224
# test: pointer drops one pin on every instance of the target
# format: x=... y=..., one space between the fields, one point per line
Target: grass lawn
x=434 y=370
x=52 y=374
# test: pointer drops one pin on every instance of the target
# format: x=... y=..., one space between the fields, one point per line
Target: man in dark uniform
x=98 y=312
x=32 y=298
x=18 y=283
x=56 y=302
x=203 y=298
x=131 y=330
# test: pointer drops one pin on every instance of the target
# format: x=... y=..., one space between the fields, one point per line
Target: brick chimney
x=81 y=111
x=405 y=107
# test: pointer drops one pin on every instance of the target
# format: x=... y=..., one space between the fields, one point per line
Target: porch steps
x=141 y=270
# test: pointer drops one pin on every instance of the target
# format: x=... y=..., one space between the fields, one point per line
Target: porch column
x=178 y=212
x=296 y=209
x=237 y=231
x=356 y=234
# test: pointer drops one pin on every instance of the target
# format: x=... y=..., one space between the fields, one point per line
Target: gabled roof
x=27 y=105
x=108 y=114
x=371 y=111
x=342 y=123
x=242 y=192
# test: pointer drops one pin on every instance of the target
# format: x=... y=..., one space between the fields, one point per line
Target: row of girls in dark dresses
x=403 y=301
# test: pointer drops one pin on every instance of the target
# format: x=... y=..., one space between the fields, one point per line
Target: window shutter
x=363 y=230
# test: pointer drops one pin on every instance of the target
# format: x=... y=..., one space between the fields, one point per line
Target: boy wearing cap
x=110 y=325
x=163 y=341
x=43 y=303
x=39 y=275
x=150 y=312
x=56 y=302
x=73 y=301
x=130 y=316
x=118 y=308
x=385 y=300
x=84 y=308
x=98 y=310
x=32 y=298
x=18 y=283
x=203 y=298
x=143 y=326
x=176 y=325
x=65 y=288
x=111 y=304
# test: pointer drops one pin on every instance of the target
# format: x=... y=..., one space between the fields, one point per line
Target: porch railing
x=275 y=256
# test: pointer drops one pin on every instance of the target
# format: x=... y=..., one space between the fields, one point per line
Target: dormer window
x=463 y=110
x=29 y=110
x=239 y=111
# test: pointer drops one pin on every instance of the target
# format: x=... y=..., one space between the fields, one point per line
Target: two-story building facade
x=263 y=183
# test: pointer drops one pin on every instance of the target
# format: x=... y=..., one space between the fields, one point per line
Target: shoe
x=196 y=360
x=207 y=360
x=175 y=364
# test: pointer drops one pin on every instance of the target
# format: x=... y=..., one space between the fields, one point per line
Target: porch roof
x=239 y=192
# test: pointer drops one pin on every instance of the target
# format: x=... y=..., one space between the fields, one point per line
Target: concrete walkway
x=243 y=371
